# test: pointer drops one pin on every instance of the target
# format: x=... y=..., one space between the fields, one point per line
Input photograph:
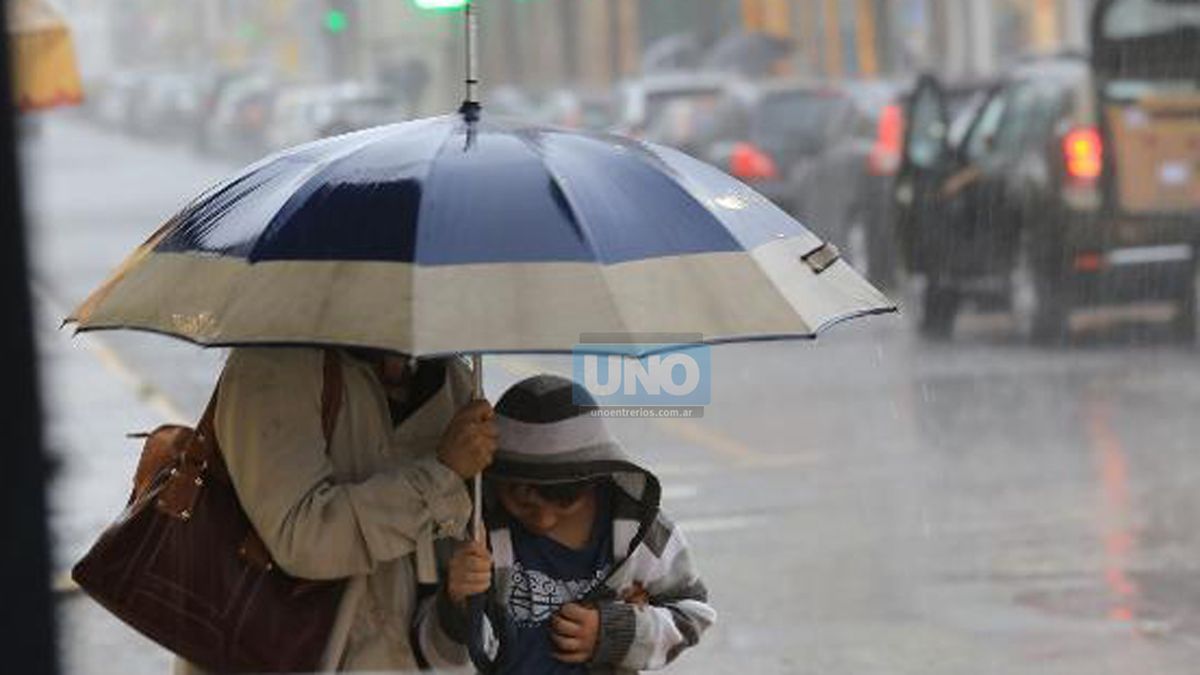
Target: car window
x=1019 y=118
x=657 y=103
x=798 y=121
x=682 y=122
x=1052 y=105
x=983 y=130
x=925 y=139
x=963 y=109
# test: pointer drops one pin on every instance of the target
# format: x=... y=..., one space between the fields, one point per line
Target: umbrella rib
x=315 y=174
x=580 y=220
x=415 y=294
x=584 y=229
x=691 y=187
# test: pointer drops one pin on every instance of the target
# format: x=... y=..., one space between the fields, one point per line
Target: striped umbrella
x=467 y=234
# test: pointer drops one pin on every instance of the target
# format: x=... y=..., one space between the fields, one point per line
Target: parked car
x=1077 y=183
x=826 y=153
x=576 y=109
x=362 y=106
x=299 y=114
x=511 y=101
x=641 y=102
x=112 y=103
x=210 y=88
x=237 y=125
x=304 y=113
x=167 y=105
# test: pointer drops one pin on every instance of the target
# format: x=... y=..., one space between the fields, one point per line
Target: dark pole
x=28 y=635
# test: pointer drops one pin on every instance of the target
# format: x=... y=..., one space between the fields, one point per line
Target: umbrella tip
x=470 y=110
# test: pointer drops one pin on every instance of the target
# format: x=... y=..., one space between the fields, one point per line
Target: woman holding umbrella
x=369 y=507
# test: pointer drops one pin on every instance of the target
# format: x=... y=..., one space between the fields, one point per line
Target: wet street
x=865 y=504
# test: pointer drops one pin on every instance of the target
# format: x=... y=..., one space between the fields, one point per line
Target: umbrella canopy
x=44 y=74
x=449 y=235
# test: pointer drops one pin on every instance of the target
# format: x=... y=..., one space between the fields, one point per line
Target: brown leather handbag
x=183 y=565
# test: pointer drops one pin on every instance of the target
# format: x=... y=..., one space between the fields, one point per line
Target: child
x=584 y=573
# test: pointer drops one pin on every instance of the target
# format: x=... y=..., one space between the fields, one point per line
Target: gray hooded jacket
x=546 y=437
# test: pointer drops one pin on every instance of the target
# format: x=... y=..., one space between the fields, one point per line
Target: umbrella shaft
x=472 y=40
x=477 y=515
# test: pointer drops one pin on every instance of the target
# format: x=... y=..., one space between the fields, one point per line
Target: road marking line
x=680 y=492
x=711 y=440
x=721 y=524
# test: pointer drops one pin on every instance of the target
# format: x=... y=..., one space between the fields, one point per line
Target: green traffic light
x=335 y=21
x=441 y=4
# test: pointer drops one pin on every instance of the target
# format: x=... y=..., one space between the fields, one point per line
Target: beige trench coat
x=369 y=510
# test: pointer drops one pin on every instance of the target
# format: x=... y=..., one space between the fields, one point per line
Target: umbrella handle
x=477 y=514
x=477 y=605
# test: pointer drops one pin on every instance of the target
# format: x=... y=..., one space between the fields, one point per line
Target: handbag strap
x=332 y=393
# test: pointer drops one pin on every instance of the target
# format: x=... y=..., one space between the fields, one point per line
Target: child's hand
x=574 y=630
x=470 y=571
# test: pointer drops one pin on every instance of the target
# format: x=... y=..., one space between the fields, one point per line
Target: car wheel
x=1185 y=315
x=939 y=310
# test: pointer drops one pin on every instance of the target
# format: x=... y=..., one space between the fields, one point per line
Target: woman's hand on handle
x=469 y=441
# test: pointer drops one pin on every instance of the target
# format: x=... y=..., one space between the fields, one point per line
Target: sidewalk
x=89 y=404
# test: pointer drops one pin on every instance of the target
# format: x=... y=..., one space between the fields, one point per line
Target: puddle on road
x=1158 y=605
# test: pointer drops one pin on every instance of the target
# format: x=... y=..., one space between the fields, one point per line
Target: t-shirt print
x=536 y=596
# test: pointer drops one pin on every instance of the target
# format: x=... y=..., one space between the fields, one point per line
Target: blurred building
x=549 y=43
x=545 y=44
x=978 y=37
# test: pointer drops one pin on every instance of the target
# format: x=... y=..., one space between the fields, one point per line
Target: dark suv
x=1076 y=183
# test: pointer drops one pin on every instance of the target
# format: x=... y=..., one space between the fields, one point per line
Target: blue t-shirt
x=546 y=576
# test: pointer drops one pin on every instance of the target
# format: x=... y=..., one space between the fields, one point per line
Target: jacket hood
x=549 y=434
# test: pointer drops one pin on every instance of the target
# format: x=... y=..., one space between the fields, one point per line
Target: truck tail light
x=1084 y=153
x=885 y=154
